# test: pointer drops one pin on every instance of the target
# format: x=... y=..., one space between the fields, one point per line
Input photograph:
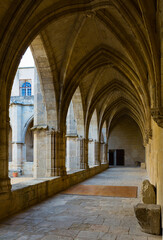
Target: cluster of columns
x=50 y=152
x=57 y=152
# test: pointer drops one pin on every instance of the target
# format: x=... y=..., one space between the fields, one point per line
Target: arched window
x=26 y=89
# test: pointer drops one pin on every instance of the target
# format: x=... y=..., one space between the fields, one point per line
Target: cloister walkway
x=68 y=217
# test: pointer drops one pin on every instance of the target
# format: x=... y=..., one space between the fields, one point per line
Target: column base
x=5 y=185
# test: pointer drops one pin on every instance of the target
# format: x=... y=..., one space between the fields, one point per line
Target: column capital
x=40 y=127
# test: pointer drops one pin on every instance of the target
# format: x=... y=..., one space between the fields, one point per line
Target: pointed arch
x=78 y=111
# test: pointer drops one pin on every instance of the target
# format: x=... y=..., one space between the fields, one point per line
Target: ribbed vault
x=109 y=49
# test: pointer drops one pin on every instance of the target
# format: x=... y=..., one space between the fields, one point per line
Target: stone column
x=50 y=153
x=17 y=155
x=80 y=152
x=97 y=150
x=106 y=153
x=71 y=153
x=5 y=185
x=40 y=151
x=102 y=152
x=60 y=154
x=91 y=153
x=17 y=143
x=84 y=161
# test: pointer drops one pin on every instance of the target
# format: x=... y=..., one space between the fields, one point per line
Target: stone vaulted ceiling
x=109 y=48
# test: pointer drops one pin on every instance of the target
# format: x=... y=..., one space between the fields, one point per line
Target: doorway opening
x=116 y=157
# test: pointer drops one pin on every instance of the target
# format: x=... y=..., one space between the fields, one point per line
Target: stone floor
x=68 y=217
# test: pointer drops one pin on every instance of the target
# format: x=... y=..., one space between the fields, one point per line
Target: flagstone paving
x=73 y=217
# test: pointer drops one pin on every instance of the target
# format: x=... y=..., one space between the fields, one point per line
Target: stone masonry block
x=148 y=193
x=149 y=217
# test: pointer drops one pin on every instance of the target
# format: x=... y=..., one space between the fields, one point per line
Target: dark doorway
x=111 y=157
x=116 y=157
x=120 y=157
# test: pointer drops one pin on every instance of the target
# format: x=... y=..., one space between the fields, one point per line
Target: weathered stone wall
x=154 y=156
x=126 y=135
x=38 y=190
x=21 y=114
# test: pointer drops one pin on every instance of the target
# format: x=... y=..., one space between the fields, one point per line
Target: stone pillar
x=97 y=150
x=71 y=153
x=80 y=152
x=160 y=168
x=50 y=153
x=17 y=155
x=17 y=143
x=102 y=152
x=5 y=185
x=84 y=161
x=60 y=154
x=91 y=153
x=106 y=153
x=40 y=151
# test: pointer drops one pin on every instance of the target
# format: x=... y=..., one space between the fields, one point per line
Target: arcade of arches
x=98 y=61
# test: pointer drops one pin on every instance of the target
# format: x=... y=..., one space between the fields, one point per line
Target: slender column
x=91 y=153
x=17 y=155
x=106 y=153
x=97 y=149
x=5 y=185
x=60 y=154
x=80 y=152
x=71 y=153
x=84 y=162
x=102 y=152
x=40 y=151
x=17 y=144
x=50 y=153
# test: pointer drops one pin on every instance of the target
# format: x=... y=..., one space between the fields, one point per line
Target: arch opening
x=93 y=138
x=74 y=133
x=125 y=144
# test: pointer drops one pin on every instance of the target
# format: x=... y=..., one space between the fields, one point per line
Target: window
x=25 y=89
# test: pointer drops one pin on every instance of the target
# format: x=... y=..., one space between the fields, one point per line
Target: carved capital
x=39 y=127
x=43 y=127
x=157 y=115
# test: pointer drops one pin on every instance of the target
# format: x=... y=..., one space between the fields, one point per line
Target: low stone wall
x=27 y=194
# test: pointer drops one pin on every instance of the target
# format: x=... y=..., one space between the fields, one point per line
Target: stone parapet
x=38 y=190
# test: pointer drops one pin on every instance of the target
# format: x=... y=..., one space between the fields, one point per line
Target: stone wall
x=126 y=135
x=21 y=113
x=154 y=155
x=27 y=194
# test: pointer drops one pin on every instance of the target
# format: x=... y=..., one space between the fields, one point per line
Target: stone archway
x=93 y=141
x=125 y=135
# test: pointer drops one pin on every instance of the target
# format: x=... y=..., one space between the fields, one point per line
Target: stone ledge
x=27 y=194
